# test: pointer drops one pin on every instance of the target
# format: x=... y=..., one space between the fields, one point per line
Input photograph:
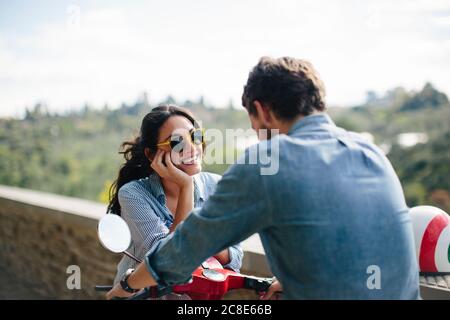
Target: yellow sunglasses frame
x=167 y=142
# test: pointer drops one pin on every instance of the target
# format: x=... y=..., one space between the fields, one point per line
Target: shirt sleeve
x=236 y=254
x=238 y=208
x=145 y=226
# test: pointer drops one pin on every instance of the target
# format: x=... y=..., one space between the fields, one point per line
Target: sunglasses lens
x=197 y=136
x=177 y=143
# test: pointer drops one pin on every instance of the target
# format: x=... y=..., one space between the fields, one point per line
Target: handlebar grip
x=103 y=288
x=258 y=284
x=151 y=292
x=143 y=295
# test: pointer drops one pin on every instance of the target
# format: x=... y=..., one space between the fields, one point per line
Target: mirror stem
x=132 y=256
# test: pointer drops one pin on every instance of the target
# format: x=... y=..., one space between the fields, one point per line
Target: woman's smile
x=191 y=160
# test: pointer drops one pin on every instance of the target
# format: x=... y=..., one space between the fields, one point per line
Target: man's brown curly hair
x=288 y=86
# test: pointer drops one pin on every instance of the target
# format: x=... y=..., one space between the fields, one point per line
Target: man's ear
x=148 y=154
x=264 y=114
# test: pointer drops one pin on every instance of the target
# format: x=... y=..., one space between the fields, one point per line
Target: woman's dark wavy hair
x=136 y=164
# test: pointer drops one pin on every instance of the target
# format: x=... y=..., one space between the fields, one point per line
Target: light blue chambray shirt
x=333 y=220
x=143 y=207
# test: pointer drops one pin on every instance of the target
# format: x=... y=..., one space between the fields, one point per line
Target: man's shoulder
x=365 y=141
x=257 y=160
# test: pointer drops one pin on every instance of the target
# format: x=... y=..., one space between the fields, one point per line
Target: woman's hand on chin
x=169 y=171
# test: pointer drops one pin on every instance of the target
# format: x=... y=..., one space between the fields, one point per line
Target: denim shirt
x=143 y=206
x=333 y=220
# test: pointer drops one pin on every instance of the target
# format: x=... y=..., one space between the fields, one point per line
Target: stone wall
x=42 y=234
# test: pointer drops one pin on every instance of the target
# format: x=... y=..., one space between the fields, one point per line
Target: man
x=332 y=220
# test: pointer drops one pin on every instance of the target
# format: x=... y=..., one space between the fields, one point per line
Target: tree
x=426 y=98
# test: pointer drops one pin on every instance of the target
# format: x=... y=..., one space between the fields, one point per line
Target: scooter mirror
x=114 y=233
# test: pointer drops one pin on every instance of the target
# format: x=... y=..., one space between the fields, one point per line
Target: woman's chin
x=191 y=169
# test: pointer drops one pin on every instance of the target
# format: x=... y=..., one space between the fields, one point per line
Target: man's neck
x=285 y=126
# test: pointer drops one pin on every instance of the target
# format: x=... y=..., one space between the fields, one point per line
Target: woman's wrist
x=185 y=204
x=185 y=199
x=224 y=256
x=186 y=184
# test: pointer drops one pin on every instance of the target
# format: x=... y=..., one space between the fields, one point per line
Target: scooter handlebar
x=103 y=288
x=258 y=284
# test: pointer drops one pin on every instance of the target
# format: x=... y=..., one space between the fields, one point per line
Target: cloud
x=109 y=54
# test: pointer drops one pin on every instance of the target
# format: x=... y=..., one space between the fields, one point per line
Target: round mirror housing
x=114 y=233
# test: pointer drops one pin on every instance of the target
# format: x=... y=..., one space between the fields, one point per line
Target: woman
x=161 y=182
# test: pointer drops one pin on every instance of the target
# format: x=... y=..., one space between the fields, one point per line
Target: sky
x=69 y=53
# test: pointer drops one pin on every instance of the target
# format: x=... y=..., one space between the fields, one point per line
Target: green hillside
x=76 y=153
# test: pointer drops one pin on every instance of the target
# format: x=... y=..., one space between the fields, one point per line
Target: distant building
x=410 y=139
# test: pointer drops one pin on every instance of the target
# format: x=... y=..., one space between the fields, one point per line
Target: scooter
x=210 y=281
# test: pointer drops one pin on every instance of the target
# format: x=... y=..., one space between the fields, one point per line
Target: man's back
x=340 y=223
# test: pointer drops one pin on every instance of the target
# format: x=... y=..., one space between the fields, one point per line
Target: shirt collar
x=199 y=188
x=311 y=120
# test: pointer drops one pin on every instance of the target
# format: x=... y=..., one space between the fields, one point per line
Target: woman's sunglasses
x=177 y=142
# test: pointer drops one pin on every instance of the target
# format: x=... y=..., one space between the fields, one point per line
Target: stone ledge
x=54 y=203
